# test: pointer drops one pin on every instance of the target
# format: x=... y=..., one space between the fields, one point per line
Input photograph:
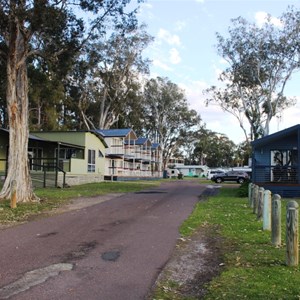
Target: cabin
x=129 y=157
x=60 y=158
x=84 y=166
x=45 y=166
x=275 y=164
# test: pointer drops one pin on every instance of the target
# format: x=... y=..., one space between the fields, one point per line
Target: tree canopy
x=261 y=60
x=167 y=116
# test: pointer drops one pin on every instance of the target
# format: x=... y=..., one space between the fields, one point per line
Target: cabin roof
x=276 y=136
x=124 y=132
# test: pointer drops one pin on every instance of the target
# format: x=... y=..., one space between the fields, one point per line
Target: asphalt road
x=109 y=251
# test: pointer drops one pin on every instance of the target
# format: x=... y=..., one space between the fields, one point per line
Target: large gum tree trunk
x=17 y=106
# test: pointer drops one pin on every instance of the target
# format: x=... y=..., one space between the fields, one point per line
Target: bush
x=243 y=189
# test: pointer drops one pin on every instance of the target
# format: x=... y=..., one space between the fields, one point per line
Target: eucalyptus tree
x=112 y=78
x=243 y=154
x=167 y=117
x=3 y=111
x=261 y=61
x=202 y=144
x=216 y=149
x=49 y=29
x=45 y=93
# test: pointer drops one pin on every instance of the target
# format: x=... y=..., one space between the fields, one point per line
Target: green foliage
x=167 y=117
x=243 y=189
x=214 y=149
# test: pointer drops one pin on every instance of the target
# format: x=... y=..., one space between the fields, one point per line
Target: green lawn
x=253 y=267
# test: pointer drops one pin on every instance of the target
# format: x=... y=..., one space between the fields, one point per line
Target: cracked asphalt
x=112 y=249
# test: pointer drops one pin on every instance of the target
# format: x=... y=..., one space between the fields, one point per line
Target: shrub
x=243 y=189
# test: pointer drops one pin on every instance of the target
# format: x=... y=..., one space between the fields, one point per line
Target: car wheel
x=241 y=180
x=218 y=180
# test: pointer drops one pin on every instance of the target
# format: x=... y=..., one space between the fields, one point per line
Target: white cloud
x=261 y=18
x=159 y=64
x=146 y=10
x=171 y=39
x=174 y=56
x=179 y=25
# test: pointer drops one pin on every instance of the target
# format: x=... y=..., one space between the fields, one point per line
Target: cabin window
x=284 y=157
x=65 y=153
x=284 y=164
x=91 y=161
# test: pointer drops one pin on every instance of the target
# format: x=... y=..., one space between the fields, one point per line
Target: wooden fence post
x=267 y=210
x=276 y=220
x=13 y=195
x=292 y=252
x=250 y=193
x=255 y=199
x=260 y=203
x=253 y=195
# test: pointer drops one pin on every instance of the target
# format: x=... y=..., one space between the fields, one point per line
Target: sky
x=184 y=51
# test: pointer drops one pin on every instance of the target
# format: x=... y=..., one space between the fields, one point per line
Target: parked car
x=211 y=173
x=236 y=176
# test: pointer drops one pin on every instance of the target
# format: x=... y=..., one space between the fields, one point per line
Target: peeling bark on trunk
x=17 y=106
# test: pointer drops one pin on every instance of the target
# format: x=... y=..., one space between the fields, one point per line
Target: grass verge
x=52 y=198
x=253 y=267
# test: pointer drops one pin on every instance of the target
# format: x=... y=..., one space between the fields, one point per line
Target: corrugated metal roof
x=155 y=146
x=116 y=132
x=39 y=139
x=143 y=141
x=277 y=135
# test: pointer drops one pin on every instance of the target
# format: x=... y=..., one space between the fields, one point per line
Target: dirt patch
x=74 y=204
x=82 y=202
x=195 y=262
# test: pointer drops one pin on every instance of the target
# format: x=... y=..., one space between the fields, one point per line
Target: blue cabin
x=275 y=162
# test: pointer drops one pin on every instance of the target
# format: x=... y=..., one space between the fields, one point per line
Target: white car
x=211 y=173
